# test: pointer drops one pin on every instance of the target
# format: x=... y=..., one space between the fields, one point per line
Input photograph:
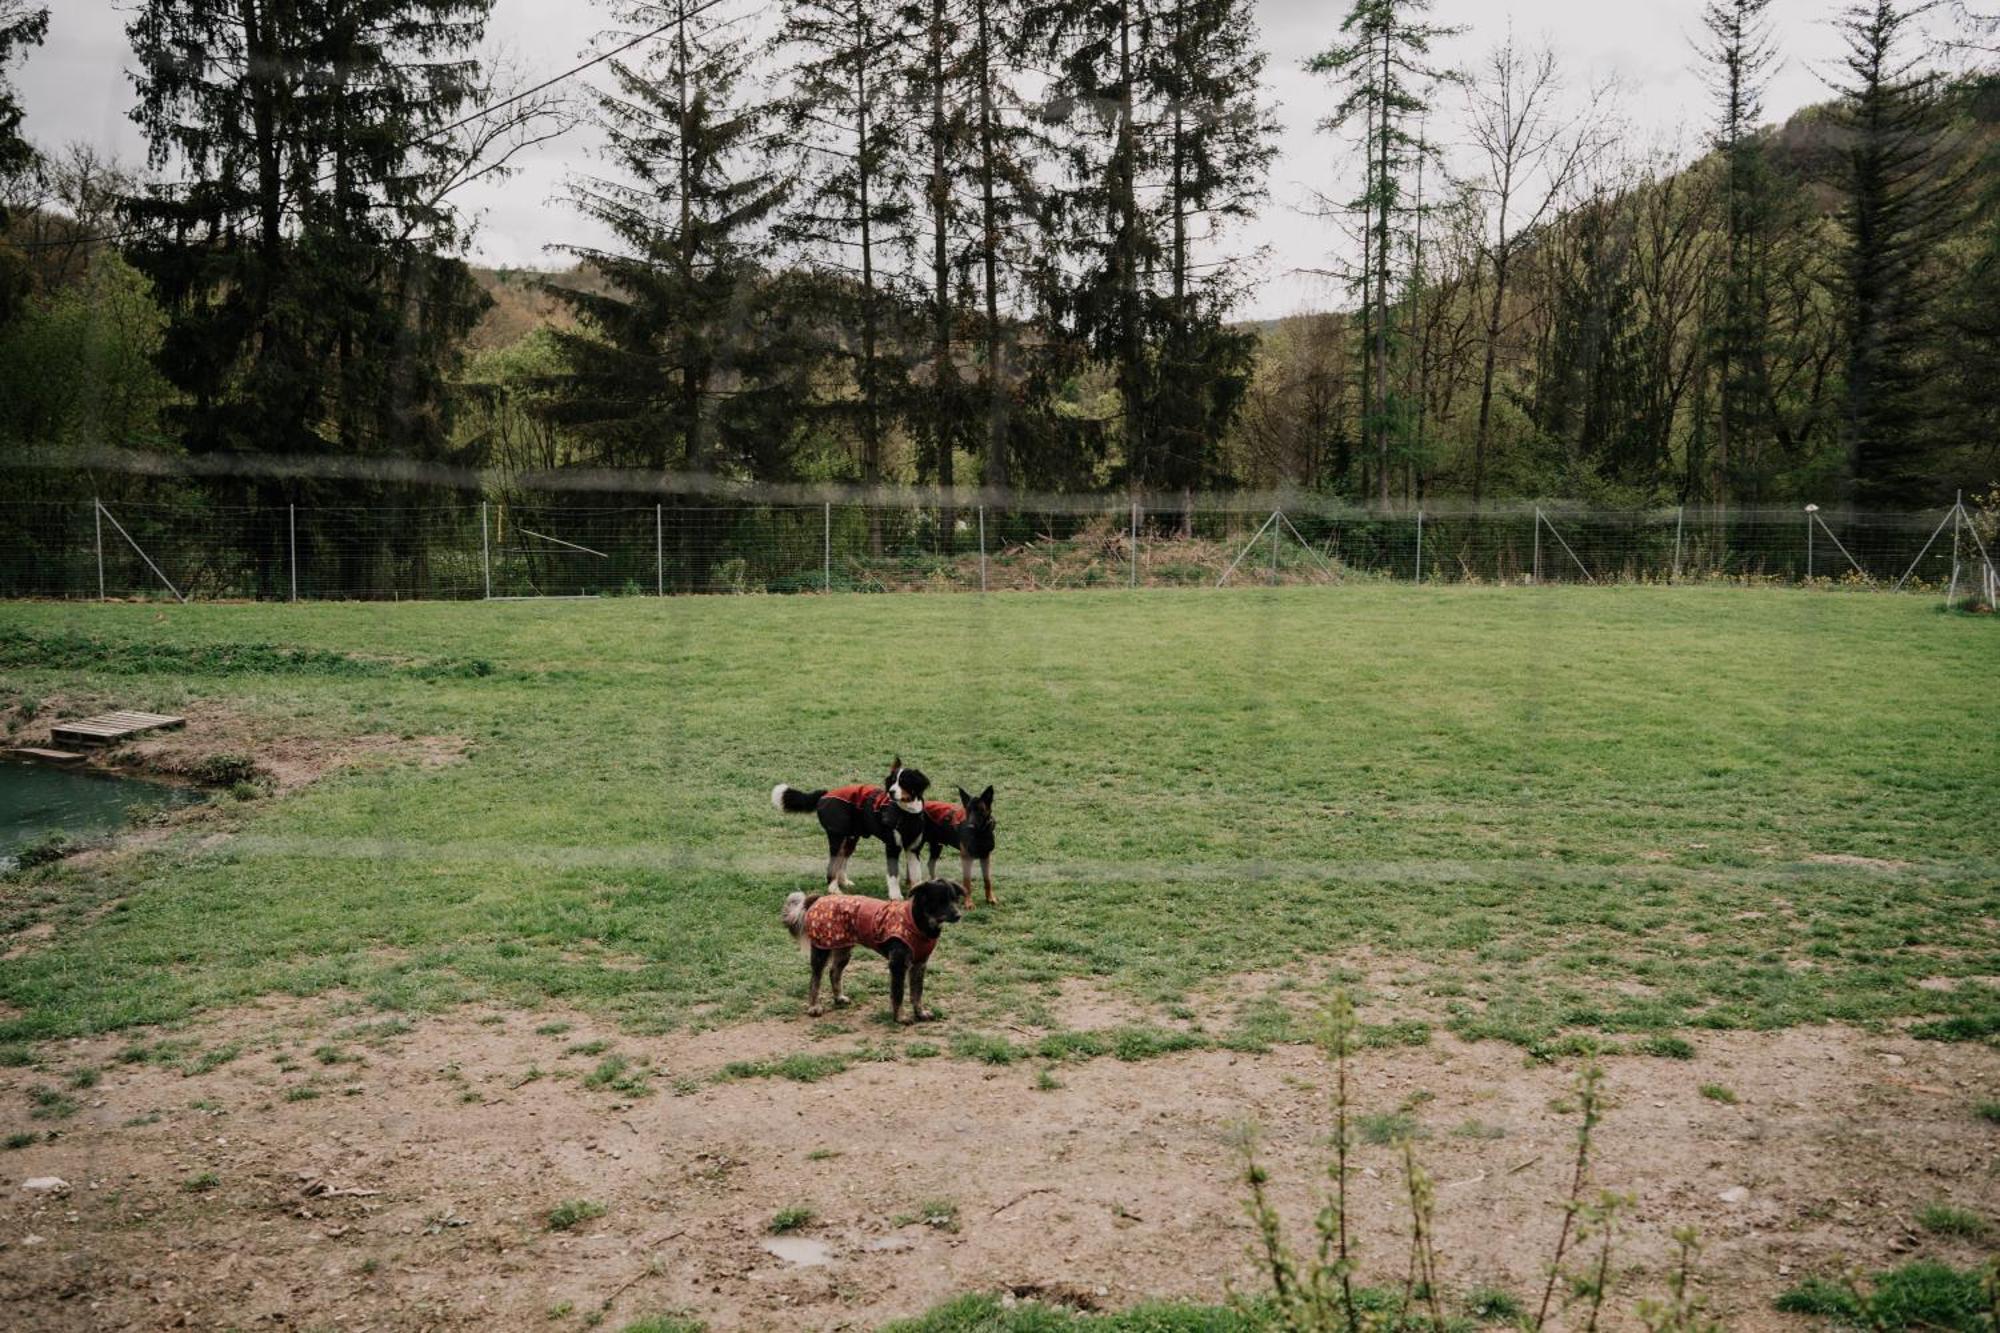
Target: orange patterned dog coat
x=844 y=920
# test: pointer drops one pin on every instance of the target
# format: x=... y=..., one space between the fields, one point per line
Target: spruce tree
x=682 y=360
x=306 y=255
x=1902 y=198
x=1383 y=67
x=853 y=215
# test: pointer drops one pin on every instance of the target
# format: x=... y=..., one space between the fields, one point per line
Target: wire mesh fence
x=458 y=545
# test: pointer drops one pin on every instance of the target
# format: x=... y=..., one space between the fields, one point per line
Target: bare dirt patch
x=1847 y=859
x=409 y=1184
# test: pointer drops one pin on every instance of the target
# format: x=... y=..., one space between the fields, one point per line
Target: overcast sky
x=76 y=88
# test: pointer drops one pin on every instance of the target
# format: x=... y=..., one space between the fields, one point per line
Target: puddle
x=37 y=800
x=801 y=1251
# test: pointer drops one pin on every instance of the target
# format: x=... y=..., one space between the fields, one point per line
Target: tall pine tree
x=684 y=361
x=1383 y=67
x=853 y=214
x=1902 y=197
x=306 y=256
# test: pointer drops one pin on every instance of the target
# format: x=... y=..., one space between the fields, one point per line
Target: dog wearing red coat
x=893 y=812
x=831 y=926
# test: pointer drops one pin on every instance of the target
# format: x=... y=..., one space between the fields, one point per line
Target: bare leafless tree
x=1535 y=146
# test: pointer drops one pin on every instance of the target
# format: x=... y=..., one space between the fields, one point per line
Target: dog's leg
x=833 y=862
x=899 y=967
x=986 y=869
x=895 y=885
x=931 y=871
x=819 y=957
x=965 y=873
x=847 y=854
x=917 y=992
x=836 y=972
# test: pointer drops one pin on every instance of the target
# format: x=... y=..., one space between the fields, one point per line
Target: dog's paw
x=925 y=1015
x=842 y=1001
x=814 y=1011
x=906 y=1019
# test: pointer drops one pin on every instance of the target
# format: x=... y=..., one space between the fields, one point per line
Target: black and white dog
x=893 y=812
x=967 y=826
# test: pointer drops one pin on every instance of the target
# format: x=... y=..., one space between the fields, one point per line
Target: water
x=37 y=800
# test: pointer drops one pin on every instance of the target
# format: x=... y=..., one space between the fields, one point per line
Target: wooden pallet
x=110 y=728
x=42 y=756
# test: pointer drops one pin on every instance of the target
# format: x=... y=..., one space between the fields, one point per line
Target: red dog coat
x=844 y=920
x=862 y=796
x=944 y=813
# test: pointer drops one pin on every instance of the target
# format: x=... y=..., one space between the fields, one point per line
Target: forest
x=1000 y=243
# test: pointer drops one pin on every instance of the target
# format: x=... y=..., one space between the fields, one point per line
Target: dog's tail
x=794 y=917
x=792 y=801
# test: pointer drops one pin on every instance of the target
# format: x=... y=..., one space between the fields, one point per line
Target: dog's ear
x=965 y=798
x=986 y=797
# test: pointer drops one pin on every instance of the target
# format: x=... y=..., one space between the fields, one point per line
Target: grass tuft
x=787 y=1220
x=572 y=1213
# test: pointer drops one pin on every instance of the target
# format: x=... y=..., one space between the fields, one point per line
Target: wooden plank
x=108 y=727
x=41 y=755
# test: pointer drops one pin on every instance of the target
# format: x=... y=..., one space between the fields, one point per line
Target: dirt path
x=412 y=1191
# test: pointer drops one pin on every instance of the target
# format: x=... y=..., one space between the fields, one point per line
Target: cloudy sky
x=76 y=88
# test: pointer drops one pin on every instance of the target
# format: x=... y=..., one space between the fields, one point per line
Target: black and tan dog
x=967 y=826
x=830 y=927
x=893 y=812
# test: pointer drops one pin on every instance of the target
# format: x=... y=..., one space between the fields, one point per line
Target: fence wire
x=458 y=546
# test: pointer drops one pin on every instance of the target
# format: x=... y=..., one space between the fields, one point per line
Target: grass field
x=1521 y=814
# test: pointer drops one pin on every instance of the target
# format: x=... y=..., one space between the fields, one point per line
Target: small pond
x=39 y=799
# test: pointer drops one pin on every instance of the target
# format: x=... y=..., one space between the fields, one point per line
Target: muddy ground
x=411 y=1186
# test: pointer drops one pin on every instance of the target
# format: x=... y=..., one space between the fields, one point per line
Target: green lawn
x=1551 y=810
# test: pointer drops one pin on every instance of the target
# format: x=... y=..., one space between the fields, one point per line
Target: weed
x=1987 y=1111
x=301 y=1093
x=1382 y=1127
x=921 y=1050
x=552 y=1029
x=22 y=1139
x=620 y=1075
x=211 y=1060
x=1404 y=1032
x=1715 y=1092
x=984 y=1047
x=822 y=1154
x=572 y=1213
x=937 y=1214
x=201 y=1182
x=1924 y=1294
x=1493 y=1305
x=1668 y=1047
x=789 y=1219
x=83 y=1078
x=50 y=1104
x=334 y=1055
x=1478 y=1129
x=16 y=1056
x=1942 y=1219
x=1046 y=1080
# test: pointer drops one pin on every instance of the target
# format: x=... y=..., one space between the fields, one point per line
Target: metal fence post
x=1680 y=515
x=982 y=548
x=1810 y=511
x=1957 y=515
x=292 y=531
x=826 y=546
x=1276 y=537
x=1420 y=545
x=659 y=550
x=1135 y=543
x=1538 y=544
x=485 y=549
x=97 y=516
